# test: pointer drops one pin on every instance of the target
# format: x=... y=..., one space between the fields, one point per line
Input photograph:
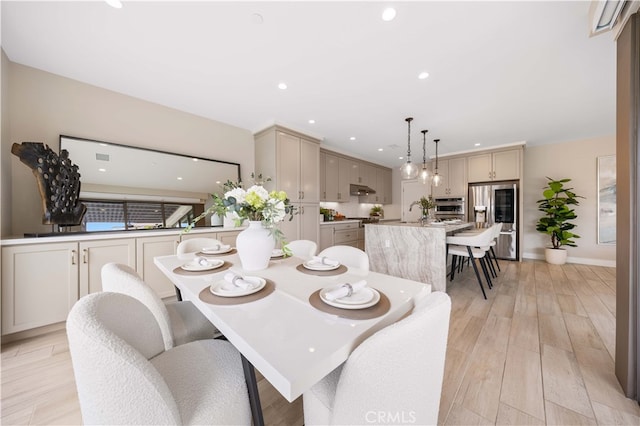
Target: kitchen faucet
x=413 y=204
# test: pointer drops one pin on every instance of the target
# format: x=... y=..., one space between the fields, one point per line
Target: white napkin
x=217 y=247
x=343 y=290
x=237 y=280
x=198 y=260
x=323 y=260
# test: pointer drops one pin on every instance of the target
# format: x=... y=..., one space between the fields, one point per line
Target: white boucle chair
x=348 y=256
x=393 y=377
x=180 y=322
x=124 y=375
x=304 y=249
x=194 y=245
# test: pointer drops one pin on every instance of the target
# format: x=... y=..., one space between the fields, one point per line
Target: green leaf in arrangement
x=557 y=213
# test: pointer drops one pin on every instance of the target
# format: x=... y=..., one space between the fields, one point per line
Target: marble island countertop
x=410 y=250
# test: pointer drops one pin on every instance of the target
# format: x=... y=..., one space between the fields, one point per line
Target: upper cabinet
x=494 y=166
x=338 y=172
x=292 y=160
x=454 y=178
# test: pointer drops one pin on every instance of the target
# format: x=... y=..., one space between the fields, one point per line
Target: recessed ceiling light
x=476 y=144
x=312 y=121
x=388 y=14
x=282 y=86
x=352 y=138
x=400 y=158
x=102 y=170
x=380 y=150
x=423 y=75
x=116 y=4
x=179 y=177
x=194 y=159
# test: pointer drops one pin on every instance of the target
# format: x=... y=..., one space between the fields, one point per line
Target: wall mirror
x=167 y=189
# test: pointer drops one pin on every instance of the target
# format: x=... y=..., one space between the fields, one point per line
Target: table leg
x=254 y=396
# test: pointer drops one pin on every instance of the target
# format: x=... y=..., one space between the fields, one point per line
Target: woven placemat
x=339 y=270
x=227 y=253
x=180 y=271
x=377 y=310
x=208 y=297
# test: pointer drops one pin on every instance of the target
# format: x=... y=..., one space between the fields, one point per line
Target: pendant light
x=437 y=179
x=408 y=170
x=424 y=173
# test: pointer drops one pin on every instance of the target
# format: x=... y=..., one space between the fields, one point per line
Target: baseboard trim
x=578 y=260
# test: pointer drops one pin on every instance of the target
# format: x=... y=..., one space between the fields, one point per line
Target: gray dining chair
x=180 y=321
x=393 y=377
x=124 y=374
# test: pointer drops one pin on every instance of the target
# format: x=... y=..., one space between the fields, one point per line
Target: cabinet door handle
x=302 y=198
x=324 y=194
x=85 y=256
x=73 y=257
x=301 y=209
x=339 y=195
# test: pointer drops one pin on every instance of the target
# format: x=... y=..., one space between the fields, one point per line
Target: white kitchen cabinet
x=94 y=254
x=39 y=284
x=454 y=178
x=345 y=234
x=148 y=248
x=380 y=185
x=494 y=166
x=388 y=187
x=304 y=225
x=291 y=160
x=331 y=180
x=323 y=176
x=346 y=169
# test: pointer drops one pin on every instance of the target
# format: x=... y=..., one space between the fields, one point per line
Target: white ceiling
x=500 y=72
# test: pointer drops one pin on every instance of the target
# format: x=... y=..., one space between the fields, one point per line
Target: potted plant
x=376 y=211
x=556 y=222
x=218 y=210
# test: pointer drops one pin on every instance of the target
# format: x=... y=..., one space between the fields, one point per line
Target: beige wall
x=5 y=149
x=41 y=106
x=576 y=160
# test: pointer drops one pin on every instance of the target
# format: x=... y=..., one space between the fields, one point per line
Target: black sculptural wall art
x=58 y=182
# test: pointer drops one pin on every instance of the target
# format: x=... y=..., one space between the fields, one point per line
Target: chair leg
x=475 y=268
x=485 y=270
x=178 y=294
x=492 y=269
x=453 y=267
x=495 y=258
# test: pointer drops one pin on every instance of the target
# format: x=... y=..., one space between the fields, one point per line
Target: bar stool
x=473 y=247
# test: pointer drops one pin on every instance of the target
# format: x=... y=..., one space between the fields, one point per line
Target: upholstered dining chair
x=393 y=377
x=348 y=256
x=304 y=249
x=124 y=375
x=180 y=322
x=194 y=245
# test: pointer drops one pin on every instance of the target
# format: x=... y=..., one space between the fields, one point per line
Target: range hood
x=360 y=190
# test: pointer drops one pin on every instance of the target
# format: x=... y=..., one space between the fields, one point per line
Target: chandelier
x=437 y=179
x=424 y=175
x=408 y=170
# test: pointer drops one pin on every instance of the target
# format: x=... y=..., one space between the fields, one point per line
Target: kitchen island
x=410 y=250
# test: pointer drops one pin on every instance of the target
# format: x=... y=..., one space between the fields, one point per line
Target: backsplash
x=355 y=209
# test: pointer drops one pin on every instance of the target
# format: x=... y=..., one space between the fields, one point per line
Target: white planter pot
x=555 y=256
x=255 y=245
x=216 y=220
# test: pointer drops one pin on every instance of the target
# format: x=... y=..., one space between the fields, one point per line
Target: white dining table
x=290 y=342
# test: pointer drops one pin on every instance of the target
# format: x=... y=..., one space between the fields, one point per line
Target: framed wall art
x=607 y=199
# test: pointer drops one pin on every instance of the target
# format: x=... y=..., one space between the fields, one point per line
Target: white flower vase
x=255 y=245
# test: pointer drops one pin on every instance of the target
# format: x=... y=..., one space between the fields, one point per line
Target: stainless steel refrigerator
x=491 y=203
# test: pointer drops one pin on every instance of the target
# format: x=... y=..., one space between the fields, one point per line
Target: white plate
x=221 y=251
x=225 y=289
x=277 y=253
x=362 y=299
x=315 y=266
x=211 y=264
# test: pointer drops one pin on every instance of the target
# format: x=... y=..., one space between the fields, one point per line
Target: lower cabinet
x=42 y=281
x=344 y=234
x=149 y=247
x=39 y=284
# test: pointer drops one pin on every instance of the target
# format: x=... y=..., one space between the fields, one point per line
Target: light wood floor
x=539 y=351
